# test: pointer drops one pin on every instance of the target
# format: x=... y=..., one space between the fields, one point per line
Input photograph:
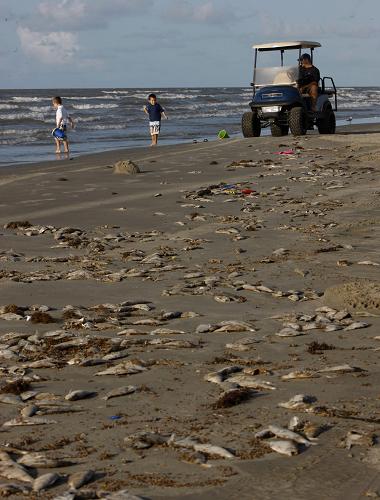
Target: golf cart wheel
x=279 y=130
x=298 y=121
x=251 y=125
x=327 y=124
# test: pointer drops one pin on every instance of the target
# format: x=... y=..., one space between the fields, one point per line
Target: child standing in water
x=155 y=112
x=62 y=118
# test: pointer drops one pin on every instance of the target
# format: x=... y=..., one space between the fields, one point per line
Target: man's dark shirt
x=154 y=111
x=309 y=75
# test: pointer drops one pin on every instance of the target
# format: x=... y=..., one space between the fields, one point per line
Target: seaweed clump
x=41 y=317
x=18 y=224
x=233 y=398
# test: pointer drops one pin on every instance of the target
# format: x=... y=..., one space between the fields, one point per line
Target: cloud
x=204 y=12
x=89 y=14
x=50 y=48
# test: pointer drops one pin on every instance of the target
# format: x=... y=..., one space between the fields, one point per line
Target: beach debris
x=242 y=344
x=233 y=397
x=28 y=421
x=45 y=481
x=125 y=368
x=79 y=394
x=13 y=471
x=298 y=402
x=8 y=489
x=80 y=478
x=283 y=446
x=44 y=461
x=126 y=167
x=358 y=438
x=120 y=391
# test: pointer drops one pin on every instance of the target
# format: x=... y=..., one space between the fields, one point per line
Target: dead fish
x=121 y=495
x=333 y=327
x=205 y=328
x=358 y=438
x=13 y=471
x=120 y=391
x=340 y=369
x=115 y=355
x=282 y=433
x=7 y=489
x=126 y=368
x=166 y=331
x=10 y=399
x=79 y=479
x=251 y=382
x=233 y=326
x=221 y=375
x=42 y=363
x=289 y=332
x=206 y=448
x=29 y=411
x=68 y=495
x=243 y=344
x=173 y=344
x=213 y=450
x=300 y=374
x=45 y=481
x=356 y=326
x=300 y=401
x=42 y=460
x=79 y=394
x=143 y=440
x=283 y=446
x=18 y=422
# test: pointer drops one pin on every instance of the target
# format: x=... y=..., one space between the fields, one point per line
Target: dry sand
x=174 y=239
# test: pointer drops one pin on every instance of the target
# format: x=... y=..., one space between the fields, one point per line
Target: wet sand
x=207 y=233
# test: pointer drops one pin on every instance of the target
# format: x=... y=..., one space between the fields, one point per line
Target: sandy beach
x=220 y=309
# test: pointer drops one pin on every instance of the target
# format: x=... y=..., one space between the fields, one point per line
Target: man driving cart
x=308 y=81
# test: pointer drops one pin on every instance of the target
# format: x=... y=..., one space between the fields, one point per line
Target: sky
x=178 y=43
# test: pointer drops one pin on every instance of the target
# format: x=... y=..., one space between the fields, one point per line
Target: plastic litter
x=223 y=134
x=288 y=152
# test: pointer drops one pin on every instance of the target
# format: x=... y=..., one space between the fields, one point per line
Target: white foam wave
x=23 y=116
x=8 y=106
x=95 y=106
x=30 y=99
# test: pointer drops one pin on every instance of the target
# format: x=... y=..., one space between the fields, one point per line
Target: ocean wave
x=94 y=106
x=30 y=99
x=8 y=106
x=36 y=116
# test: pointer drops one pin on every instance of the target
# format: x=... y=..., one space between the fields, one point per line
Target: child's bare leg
x=57 y=146
x=155 y=139
x=66 y=146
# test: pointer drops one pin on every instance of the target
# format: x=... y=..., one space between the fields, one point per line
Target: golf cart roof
x=287 y=45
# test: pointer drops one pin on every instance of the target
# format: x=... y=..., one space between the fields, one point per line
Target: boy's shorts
x=155 y=128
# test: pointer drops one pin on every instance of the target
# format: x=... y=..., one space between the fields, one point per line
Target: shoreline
x=365 y=128
x=217 y=254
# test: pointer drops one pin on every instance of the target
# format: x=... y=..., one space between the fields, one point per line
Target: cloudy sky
x=168 y=43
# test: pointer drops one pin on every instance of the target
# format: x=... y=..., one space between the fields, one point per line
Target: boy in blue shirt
x=155 y=112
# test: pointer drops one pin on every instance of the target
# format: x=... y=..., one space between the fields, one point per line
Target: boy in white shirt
x=62 y=118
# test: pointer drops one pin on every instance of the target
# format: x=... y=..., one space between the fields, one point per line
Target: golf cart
x=279 y=104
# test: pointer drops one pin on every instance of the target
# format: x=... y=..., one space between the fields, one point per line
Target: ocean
x=113 y=118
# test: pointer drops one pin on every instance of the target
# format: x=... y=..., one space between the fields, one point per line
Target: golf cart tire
x=250 y=125
x=297 y=121
x=327 y=124
x=279 y=130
